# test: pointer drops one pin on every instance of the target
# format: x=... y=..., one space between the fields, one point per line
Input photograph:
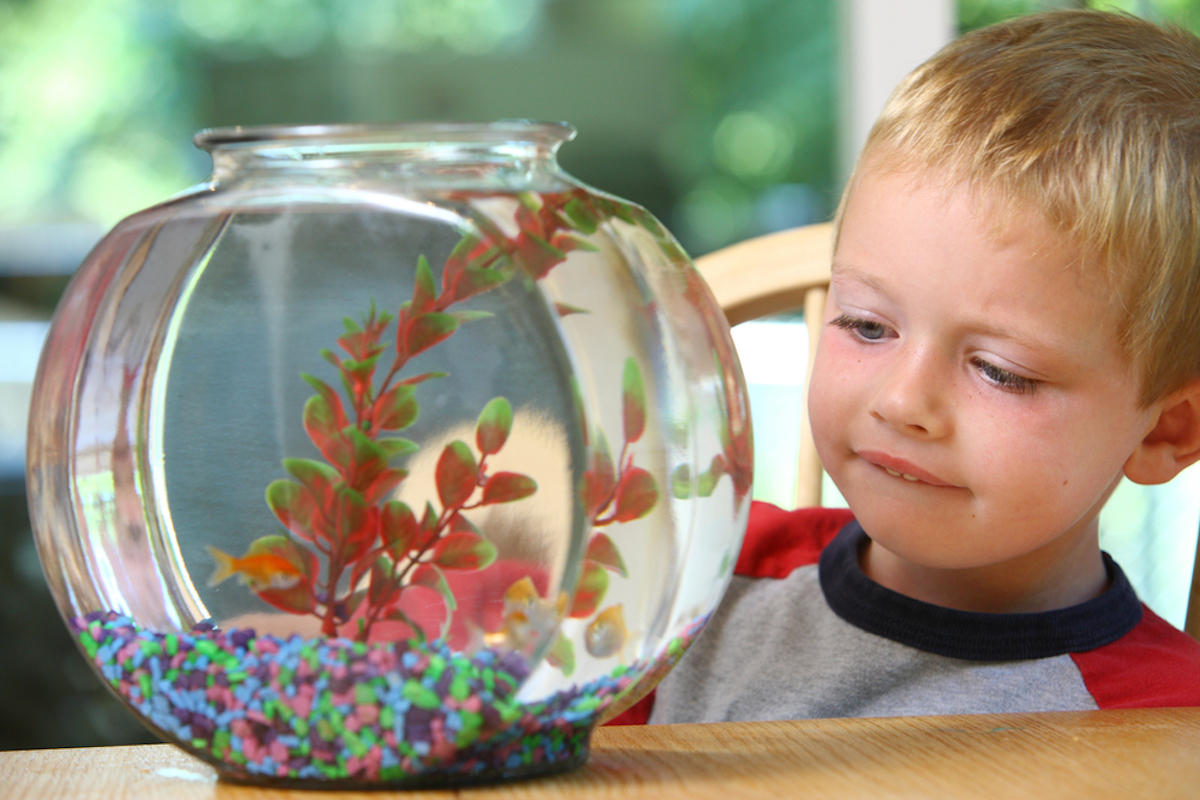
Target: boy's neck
x=1049 y=579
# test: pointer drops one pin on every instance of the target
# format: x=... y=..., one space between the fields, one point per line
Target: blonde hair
x=1091 y=119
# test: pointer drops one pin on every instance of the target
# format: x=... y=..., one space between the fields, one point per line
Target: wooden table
x=1151 y=753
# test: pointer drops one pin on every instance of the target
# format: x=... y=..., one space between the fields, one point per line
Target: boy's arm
x=776 y=543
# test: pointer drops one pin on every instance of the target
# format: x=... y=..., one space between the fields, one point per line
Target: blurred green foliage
x=694 y=108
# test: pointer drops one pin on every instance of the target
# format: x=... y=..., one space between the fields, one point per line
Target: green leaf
x=562 y=655
x=313 y=474
x=476 y=280
x=424 y=289
x=426 y=330
x=681 y=482
x=471 y=316
x=634 y=401
x=505 y=487
x=466 y=551
x=564 y=310
x=395 y=447
x=494 y=425
x=637 y=494
x=601 y=550
x=593 y=583
x=455 y=475
x=582 y=218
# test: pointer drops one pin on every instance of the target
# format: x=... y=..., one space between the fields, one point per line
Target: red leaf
x=565 y=310
x=357 y=524
x=321 y=424
x=637 y=495
x=536 y=255
x=296 y=599
x=428 y=528
x=504 y=487
x=293 y=506
x=351 y=516
x=593 y=583
x=381 y=590
x=396 y=408
x=600 y=479
x=426 y=330
x=383 y=485
x=455 y=475
x=464 y=551
x=327 y=393
x=368 y=458
x=475 y=280
x=431 y=577
x=398 y=527
x=601 y=550
x=494 y=425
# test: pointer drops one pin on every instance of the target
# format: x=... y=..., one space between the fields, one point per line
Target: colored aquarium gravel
x=313 y=711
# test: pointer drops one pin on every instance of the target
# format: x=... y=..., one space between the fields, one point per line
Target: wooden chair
x=768 y=275
x=790 y=270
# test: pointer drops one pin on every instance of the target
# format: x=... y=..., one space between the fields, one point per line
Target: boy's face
x=969 y=398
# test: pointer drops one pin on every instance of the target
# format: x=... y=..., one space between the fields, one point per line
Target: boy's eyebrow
x=1053 y=351
x=841 y=268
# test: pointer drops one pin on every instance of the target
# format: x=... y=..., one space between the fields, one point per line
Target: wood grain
x=1150 y=753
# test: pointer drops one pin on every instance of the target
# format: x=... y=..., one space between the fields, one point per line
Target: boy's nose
x=910 y=396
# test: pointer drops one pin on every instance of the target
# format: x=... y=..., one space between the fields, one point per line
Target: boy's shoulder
x=778 y=542
x=1154 y=665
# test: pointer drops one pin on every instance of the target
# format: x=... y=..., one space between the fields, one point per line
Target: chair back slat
x=769 y=275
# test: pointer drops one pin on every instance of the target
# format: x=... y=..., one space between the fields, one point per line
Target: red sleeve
x=1151 y=666
x=776 y=543
x=636 y=714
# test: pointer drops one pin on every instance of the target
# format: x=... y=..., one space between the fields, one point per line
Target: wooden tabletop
x=1151 y=753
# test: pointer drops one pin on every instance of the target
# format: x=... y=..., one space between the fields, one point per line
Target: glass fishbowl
x=388 y=456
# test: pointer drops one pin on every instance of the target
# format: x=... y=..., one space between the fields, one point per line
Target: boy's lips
x=899 y=468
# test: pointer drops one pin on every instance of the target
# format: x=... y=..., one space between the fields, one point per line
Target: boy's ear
x=1173 y=444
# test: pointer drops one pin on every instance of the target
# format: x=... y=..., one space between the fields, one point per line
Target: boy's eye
x=1003 y=379
x=862 y=328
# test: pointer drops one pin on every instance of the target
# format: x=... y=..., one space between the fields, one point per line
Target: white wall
x=881 y=42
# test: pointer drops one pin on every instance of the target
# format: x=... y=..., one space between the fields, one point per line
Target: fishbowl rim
x=411 y=134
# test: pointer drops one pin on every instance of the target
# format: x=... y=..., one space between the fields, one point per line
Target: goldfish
x=259 y=571
x=606 y=635
x=527 y=616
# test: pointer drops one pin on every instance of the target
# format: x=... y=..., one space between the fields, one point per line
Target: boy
x=1013 y=323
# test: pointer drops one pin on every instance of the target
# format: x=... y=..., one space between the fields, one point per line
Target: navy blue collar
x=967 y=634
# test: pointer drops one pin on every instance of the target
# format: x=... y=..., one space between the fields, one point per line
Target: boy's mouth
x=899 y=468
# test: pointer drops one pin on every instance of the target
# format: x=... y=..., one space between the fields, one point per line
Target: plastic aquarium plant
x=337 y=514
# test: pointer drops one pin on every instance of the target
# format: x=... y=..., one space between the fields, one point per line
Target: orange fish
x=260 y=572
x=527 y=616
x=606 y=635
